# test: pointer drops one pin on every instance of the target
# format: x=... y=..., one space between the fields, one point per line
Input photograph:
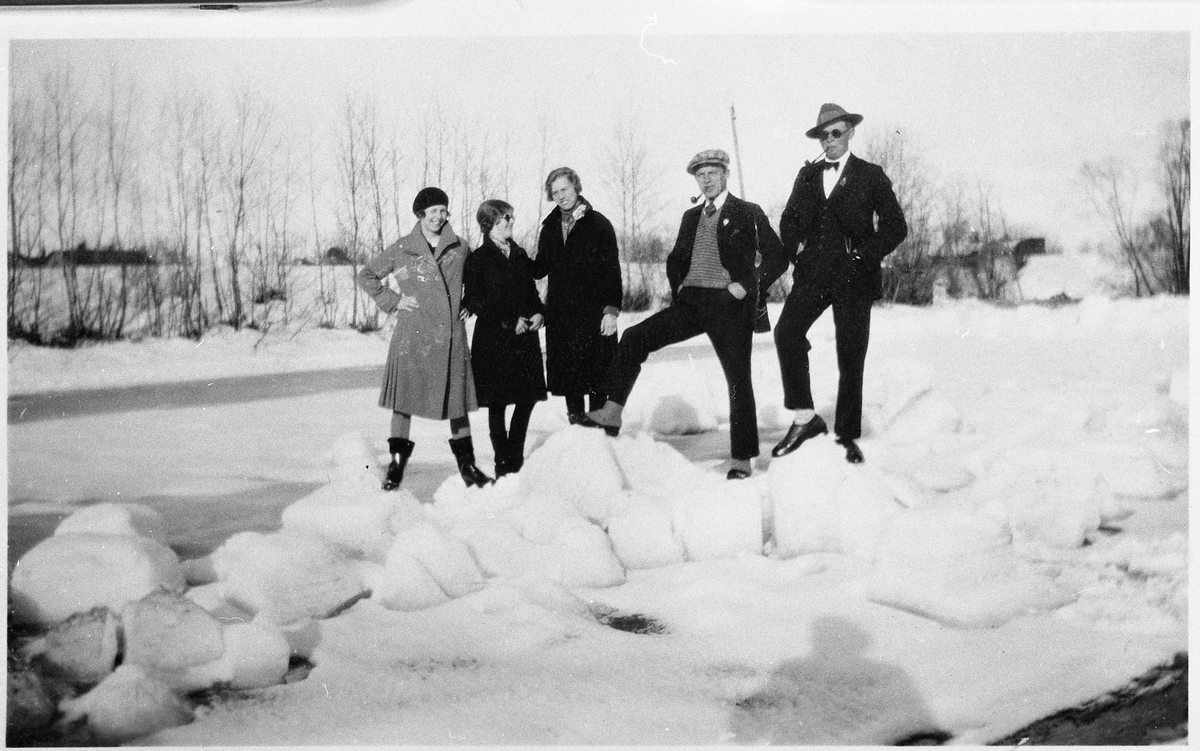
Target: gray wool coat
x=428 y=369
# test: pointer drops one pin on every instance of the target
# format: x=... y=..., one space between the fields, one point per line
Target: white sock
x=802 y=416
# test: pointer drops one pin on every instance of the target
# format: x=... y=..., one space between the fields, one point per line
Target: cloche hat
x=430 y=197
x=831 y=113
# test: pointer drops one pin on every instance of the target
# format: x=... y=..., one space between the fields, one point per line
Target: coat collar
x=555 y=215
x=489 y=245
x=416 y=242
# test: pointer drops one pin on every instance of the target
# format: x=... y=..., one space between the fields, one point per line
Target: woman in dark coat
x=506 y=354
x=577 y=252
x=428 y=369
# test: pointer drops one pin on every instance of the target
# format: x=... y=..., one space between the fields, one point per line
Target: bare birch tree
x=1175 y=182
x=908 y=271
x=350 y=174
x=1112 y=191
x=633 y=182
x=26 y=216
x=242 y=172
x=65 y=130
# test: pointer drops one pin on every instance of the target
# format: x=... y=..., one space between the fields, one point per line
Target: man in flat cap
x=844 y=213
x=715 y=287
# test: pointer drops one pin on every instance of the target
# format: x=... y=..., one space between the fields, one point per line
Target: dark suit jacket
x=827 y=226
x=743 y=231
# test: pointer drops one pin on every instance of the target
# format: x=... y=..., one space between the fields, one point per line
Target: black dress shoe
x=854 y=454
x=798 y=434
x=737 y=474
x=587 y=422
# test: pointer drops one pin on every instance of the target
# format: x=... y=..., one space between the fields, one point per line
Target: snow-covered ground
x=1015 y=543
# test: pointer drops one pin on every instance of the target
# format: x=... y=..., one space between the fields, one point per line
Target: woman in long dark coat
x=428 y=369
x=506 y=354
x=577 y=252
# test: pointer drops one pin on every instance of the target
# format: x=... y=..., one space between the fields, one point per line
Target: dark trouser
x=596 y=400
x=852 y=328
x=727 y=321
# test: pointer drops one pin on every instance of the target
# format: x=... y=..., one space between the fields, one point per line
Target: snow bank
x=83 y=648
x=678 y=398
x=75 y=572
x=286 y=576
x=116 y=519
x=956 y=568
x=821 y=503
x=1077 y=276
x=346 y=511
x=127 y=705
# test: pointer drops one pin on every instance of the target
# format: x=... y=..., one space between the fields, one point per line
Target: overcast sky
x=1015 y=111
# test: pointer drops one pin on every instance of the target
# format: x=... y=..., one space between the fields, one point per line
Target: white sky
x=1010 y=97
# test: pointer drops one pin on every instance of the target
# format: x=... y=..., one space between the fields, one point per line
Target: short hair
x=562 y=172
x=490 y=212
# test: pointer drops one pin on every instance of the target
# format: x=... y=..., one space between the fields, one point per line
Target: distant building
x=87 y=257
x=988 y=270
x=337 y=257
x=1029 y=246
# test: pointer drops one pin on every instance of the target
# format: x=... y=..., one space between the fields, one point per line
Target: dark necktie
x=709 y=208
x=828 y=165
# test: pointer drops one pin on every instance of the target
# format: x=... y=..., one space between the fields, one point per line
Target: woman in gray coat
x=428 y=369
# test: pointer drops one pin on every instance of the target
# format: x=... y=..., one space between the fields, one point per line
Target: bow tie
x=828 y=165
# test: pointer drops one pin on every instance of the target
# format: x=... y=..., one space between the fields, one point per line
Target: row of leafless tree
x=226 y=196
x=957 y=235
x=229 y=198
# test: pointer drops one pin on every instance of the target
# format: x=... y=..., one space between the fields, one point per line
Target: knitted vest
x=706 y=269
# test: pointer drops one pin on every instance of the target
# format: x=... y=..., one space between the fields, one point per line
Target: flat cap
x=719 y=157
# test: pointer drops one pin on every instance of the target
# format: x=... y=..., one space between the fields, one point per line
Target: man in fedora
x=714 y=290
x=840 y=221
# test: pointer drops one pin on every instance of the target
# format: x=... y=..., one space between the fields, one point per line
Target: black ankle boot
x=464 y=453
x=503 y=460
x=400 y=449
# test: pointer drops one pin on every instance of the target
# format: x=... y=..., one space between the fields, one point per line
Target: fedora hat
x=831 y=113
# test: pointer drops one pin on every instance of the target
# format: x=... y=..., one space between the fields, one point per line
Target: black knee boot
x=501 y=446
x=400 y=449
x=464 y=453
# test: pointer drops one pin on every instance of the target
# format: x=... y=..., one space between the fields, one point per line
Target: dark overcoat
x=583 y=280
x=428 y=369
x=508 y=366
x=843 y=246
